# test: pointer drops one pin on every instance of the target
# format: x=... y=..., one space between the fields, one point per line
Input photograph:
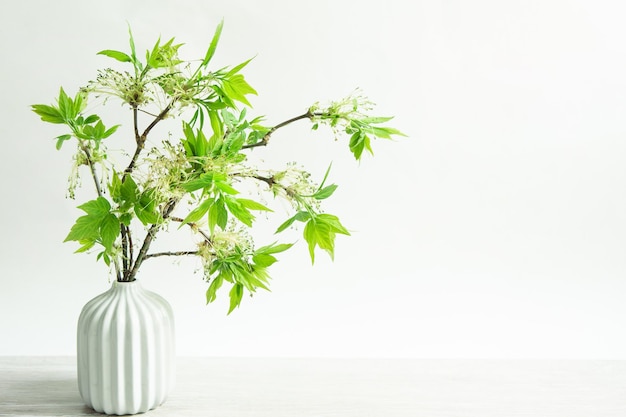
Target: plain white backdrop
x=496 y=229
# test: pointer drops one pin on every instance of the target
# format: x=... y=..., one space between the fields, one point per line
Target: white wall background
x=497 y=229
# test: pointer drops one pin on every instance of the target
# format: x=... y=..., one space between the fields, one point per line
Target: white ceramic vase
x=126 y=359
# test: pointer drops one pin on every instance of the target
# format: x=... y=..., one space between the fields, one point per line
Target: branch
x=194 y=227
x=125 y=259
x=264 y=141
x=157 y=119
x=270 y=183
x=178 y=253
x=92 y=167
x=167 y=210
x=141 y=139
x=136 y=125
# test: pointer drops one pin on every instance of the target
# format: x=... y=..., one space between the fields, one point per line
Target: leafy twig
x=265 y=140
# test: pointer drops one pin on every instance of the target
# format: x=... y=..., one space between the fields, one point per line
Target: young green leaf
x=211 y=293
x=48 y=114
x=325 y=176
x=213 y=45
x=237 y=88
x=218 y=215
x=99 y=207
x=238 y=68
x=129 y=191
x=239 y=211
x=274 y=248
x=109 y=230
x=109 y=131
x=263 y=259
x=199 y=212
x=301 y=216
x=66 y=106
x=236 y=294
x=253 y=205
x=61 y=139
x=333 y=222
x=325 y=192
x=86 y=228
x=146 y=208
x=311 y=238
x=120 y=56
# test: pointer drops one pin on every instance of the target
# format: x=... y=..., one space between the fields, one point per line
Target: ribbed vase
x=126 y=359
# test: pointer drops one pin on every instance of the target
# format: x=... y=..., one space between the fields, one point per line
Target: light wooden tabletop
x=225 y=387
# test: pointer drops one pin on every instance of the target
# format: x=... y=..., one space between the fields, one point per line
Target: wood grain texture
x=229 y=387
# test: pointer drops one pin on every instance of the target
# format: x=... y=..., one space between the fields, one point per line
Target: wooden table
x=224 y=387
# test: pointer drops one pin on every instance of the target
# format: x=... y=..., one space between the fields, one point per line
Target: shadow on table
x=43 y=397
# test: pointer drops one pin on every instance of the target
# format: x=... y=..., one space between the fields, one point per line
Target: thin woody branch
x=166 y=211
x=265 y=140
x=141 y=139
x=194 y=227
x=176 y=253
x=92 y=167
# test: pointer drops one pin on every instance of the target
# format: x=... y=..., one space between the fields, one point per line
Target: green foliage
x=100 y=225
x=205 y=165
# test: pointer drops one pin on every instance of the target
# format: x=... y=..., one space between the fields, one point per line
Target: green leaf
x=86 y=228
x=213 y=46
x=310 y=237
x=239 y=211
x=217 y=127
x=325 y=192
x=238 y=68
x=109 y=131
x=375 y=120
x=48 y=114
x=99 y=130
x=325 y=176
x=146 y=215
x=237 y=88
x=274 y=248
x=333 y=222
x=91 y=119
x=211 y=293
x=299 y=216
x=204 y=181
x=61 y=139
x=320 y=231
x=133 y=55
x=263 y=259
x=126 y=218
x=66 y=107
x=86 y=245
x=325 y=237
x=129 y=190
x=120 y=56
x=105 y=257
x=197 y=213
x=225 y=188
x=218 y=216
x=252 y=205
x=80 y=103
x=146 y=208
x=263 y=256
x=115 y=187
x=109 y=230
x=359 y=141
x=152 y=58
x=99 y=207
x=236 y=294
